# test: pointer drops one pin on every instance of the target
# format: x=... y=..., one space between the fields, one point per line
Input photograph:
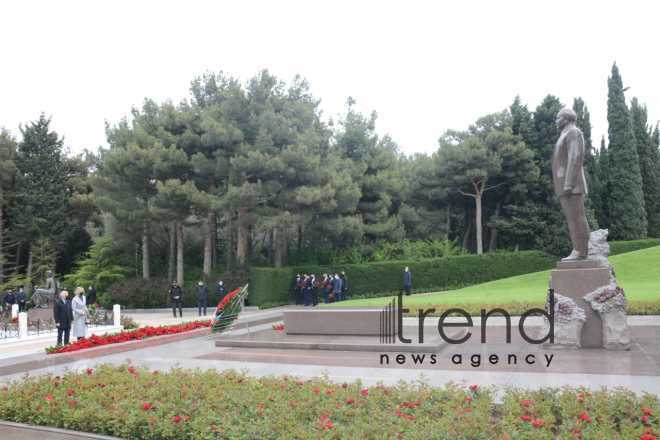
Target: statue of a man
x=569 y=182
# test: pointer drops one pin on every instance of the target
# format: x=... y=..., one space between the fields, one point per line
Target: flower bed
x=125 y=336
x=135 y=403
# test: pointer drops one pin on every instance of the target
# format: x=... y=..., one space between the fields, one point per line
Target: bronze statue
x=569 y=182
x=43 y=297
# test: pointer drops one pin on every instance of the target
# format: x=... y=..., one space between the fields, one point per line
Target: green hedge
x=273 y=286
x=619 y=247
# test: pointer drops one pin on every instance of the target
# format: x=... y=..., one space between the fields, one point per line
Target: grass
x=638 y=273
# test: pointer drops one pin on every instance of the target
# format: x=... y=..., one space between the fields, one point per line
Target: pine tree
x=42 y=195
x=7 y=181
x=627 y=213
x=648 y=165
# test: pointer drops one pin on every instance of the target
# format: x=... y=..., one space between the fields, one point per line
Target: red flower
x=316 y=390
x=526 y=403
x=537 y=423
x=648 y=436
x=49 y=398
x=467 y=410
x=645 y=420
x=364 y=392
x=147 y=406
x=584 y=417
x=90 y=371
x=580 y=396
x=473 y=388
x=325 y=423
x=526 y=418
x=647 y=411
x=350 y=401
x=176 y=419
x=69 y=392
x=468 y=399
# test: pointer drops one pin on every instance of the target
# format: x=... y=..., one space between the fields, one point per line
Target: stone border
x=39 y=432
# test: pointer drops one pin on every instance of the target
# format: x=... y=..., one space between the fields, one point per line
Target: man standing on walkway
x=176 y=295
x=63 y=314
x=407 y=281
x=202 y=297
x=21 y=300
x=337 y=286
x=220 y=291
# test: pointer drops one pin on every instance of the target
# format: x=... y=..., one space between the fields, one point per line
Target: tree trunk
x=171 y=255
x=466 y=234
x=179 y=253
x=279 y=244
x=477 y=221
x=448 y=220
x=492 y=246
x=213 y=216
x=230 y=242
x=243 y=235
x=208 y=246
x=28 y=273
x=145 y=252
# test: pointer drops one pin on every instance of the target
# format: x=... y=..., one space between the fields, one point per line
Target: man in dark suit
x=202 y=297
x=176 y=295
x=63 y=315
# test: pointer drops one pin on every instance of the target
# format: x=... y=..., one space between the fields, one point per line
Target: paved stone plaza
x=637 y=369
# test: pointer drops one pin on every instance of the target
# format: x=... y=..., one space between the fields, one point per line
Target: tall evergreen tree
x=42 y=195
x=648 y=165
x=601 y=197
x=7 y=180
x=627 y=213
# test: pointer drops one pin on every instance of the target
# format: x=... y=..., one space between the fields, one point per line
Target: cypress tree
x=648 y=165
x=601 y=198
x=627 y=212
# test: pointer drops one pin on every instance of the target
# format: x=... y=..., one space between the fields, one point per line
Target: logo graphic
x=391 y=322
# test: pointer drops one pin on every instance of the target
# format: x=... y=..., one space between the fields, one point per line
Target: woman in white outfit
x=79 y=306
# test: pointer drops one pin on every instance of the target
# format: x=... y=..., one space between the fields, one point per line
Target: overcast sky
x=423 y=66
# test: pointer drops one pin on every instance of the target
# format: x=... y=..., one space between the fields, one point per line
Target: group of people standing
x=308 y=288
x=202 y=293
x=10 y=298
x=70 y=314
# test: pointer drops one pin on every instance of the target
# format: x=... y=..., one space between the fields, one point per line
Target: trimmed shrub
x=620 y=247
x=268 y=285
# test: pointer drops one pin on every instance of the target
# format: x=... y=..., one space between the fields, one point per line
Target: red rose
x=176 y=419
x=350 y=401
x=526 y=418
x=537 y=423
x=584 y=417
x=645 y=420
x=90 y=371
x=648 y=436
x=473 y=388
x=69 y=392
x=49 y=398
x=364 y=392
x=647 y=411
x=526 y=403
x=147 y=406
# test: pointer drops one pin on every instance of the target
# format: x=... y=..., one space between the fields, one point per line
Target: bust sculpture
x=569 y=182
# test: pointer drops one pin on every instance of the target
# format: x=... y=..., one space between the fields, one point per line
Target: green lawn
x=638 y=273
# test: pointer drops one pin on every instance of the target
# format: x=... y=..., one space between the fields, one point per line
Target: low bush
x=134 y=403
x=619 y=247
x=268 y=285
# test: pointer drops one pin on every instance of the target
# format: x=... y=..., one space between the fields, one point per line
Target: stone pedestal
x=14 y=311
x=22 y=325
x=575 y=279
x=116 y=315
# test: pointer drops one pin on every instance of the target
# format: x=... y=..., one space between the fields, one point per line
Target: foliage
x=628 y=220
x=620 y=247
x=182 y=404
x=100 y=268
x=128 y=323
x=275 y=285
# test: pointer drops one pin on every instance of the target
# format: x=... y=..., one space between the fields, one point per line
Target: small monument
x=587 y=268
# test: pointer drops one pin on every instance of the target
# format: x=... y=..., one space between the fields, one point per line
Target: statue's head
x=564 y=117
x=49 y=274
